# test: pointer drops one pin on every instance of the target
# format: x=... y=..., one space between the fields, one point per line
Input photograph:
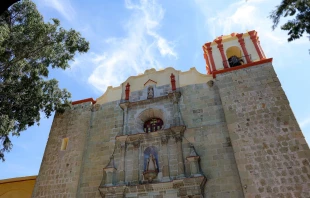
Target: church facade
x=167 y=133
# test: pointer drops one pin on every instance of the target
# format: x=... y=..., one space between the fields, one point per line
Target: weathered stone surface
x=271 y=153
x=242 y=128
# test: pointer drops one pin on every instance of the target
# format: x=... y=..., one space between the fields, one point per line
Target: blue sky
x=127 y=37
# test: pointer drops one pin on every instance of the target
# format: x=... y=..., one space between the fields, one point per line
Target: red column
x=253 y=36
x=245 y=52
x=127 y=91
x=207 y=62
x=172 y=82
x=220 y=46
x=260 y=47
x=209 y=49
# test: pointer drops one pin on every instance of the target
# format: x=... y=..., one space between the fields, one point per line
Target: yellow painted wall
x=20 y=187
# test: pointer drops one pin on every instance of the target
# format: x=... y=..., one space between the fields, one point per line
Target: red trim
x=220 y=46
x=261 y=49
x=253 y=36
x=127 y=90
x=172 y=78
x=150 y=80
x=84 y=100
x=209 y=49
x=242 y=66
x=207 y=62
x=245 y=52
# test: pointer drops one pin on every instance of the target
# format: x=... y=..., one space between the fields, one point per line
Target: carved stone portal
x=153 y=162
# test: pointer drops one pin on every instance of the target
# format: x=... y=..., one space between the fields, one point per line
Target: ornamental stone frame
x=172 y=175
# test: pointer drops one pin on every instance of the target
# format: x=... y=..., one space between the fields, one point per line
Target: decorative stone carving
x=164 y=139
x=150 y=92
x=193 y=159
x=174 y=96
x=110 y=172
x=150 y=152
x=210 y=83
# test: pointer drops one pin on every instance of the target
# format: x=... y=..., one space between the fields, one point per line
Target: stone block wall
x=271 y=153
x=242 y=127
x=60 y=169
x=106 y=123
x=202 y=113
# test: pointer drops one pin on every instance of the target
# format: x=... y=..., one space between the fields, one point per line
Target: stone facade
x=228 y=134
x=271 y=152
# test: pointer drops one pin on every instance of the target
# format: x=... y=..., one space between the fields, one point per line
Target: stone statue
x=150 y=92
x=151 y=169
x=151 y=163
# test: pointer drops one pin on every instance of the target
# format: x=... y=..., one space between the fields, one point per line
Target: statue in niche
x=150 y=92
x=151 y=164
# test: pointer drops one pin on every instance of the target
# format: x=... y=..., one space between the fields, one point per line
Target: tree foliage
x=299 y=11
x=29 y=47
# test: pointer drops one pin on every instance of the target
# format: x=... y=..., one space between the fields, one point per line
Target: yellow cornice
x=227 y=38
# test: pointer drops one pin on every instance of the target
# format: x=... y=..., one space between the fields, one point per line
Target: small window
x=153 y=124
x=64 y=144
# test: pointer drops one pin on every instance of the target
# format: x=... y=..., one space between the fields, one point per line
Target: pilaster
x=244 y=50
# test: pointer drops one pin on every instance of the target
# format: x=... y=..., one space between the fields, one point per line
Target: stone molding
x=192 y=186
x=127 y=104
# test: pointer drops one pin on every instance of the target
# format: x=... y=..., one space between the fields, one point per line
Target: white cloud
x=140 y=49
x=64 y=7
x=243 y=16
x=305 y=122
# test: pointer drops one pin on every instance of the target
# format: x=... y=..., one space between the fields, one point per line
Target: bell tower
x=270 y=150
x=236 y=49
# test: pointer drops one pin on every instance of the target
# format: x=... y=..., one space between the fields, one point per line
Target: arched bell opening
x=234 y=56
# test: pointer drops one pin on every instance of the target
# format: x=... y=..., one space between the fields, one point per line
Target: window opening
x=64 y=144
x=153 y=124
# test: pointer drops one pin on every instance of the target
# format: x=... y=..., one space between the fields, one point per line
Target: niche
x=150 y=163
x=64 y=144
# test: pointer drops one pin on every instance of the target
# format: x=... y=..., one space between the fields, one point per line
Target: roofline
x=18 y=179
x=84 y=100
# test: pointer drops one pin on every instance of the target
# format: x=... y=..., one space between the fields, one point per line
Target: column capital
x=208 y=46
x=192 y=158
x=124 y=105
x=178 y=129
x=239 y=35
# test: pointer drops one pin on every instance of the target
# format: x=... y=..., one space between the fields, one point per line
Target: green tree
x=29 y=47
x=299 y=11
